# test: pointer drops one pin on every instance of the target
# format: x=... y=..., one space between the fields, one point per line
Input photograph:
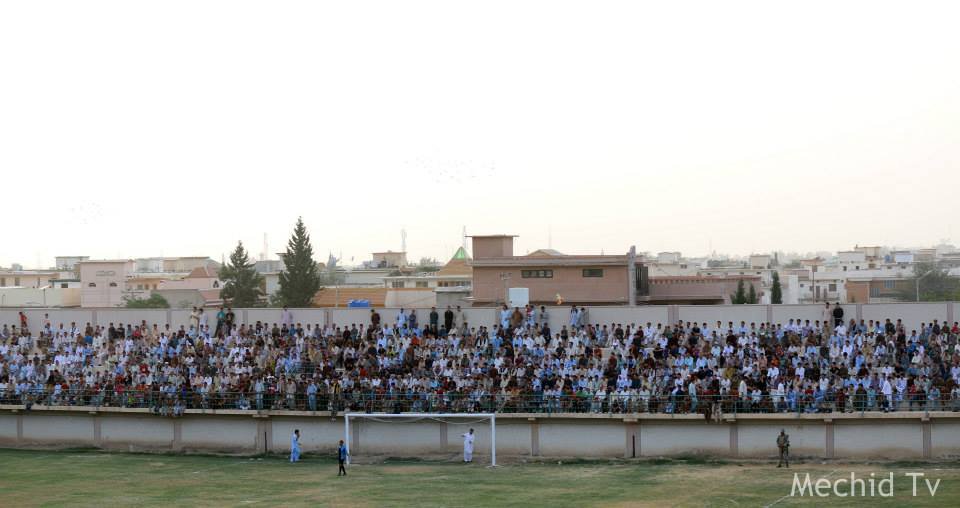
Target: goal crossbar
x=491 y=416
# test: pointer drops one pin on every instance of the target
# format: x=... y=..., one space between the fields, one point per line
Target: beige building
x=27 y=278
x=389 y=259
x=550 y=276
x=104 y=282
x=700 y=290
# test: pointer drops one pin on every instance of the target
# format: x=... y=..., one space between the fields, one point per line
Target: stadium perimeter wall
x=916 y=435
x=912 y=314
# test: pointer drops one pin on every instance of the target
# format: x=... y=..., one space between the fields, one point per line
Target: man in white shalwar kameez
x=468 y=446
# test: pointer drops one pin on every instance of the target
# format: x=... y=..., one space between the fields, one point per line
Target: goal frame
x=491 y=416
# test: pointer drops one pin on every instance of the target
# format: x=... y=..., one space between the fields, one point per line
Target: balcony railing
x=175 y=403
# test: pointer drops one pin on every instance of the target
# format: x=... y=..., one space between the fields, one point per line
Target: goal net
x=456 y=420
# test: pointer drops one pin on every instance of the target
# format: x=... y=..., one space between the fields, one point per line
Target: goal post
x=440 y=417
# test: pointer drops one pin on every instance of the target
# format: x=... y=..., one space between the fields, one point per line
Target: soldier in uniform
x=783 y=443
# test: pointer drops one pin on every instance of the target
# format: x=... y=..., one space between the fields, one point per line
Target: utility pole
x=505 y=277
x=813 y=278
x=917 y=281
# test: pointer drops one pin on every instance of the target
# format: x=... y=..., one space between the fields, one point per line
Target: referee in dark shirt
x=342 y=459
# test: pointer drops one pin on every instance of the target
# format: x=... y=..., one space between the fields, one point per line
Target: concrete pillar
x=170 y=317
x=534 y=436
x=19 y=427
x=443 y=435
x=950 y=317
x=927 y=430
x=93 y=318
x=734 y=438
x=769 y=313
x=632 y=275
x=177 y=444
x=355 y=435
x=859 y=312
x=261 y=442
x=97 y=440
x=632 y=445
x=829 y=442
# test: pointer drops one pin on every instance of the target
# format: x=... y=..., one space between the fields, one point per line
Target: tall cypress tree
x=776 y=292
x=752 y=294
x=741 y=297
x=300 y=278
x=241 y=282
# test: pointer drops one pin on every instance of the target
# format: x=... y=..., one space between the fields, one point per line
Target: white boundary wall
x=912 y=314
x=857 y=436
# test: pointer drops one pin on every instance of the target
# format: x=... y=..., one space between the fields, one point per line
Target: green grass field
x=93 y=478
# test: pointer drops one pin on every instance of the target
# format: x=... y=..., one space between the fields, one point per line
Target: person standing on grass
x=468 y=447
x=342 y=459
x=783 y=444
x=295 y=446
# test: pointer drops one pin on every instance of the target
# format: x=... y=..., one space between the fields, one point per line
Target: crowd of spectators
x=442 y=363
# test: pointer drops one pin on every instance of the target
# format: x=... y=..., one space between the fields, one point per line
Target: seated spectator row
x=520 y=365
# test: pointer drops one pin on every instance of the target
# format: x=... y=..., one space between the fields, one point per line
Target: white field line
x=788 y=495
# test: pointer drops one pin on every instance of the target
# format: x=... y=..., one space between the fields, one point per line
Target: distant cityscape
x=484 y=270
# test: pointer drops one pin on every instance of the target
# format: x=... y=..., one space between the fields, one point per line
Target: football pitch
x=95 y=478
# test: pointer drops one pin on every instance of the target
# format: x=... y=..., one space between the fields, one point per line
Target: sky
x=134 y=129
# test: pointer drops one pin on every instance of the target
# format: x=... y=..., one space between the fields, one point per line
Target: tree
x=740 y=297
x=300 y=278
x=155 y=301
x=935 y=283
x=776 y=292
x=752 y=295
x=241 y=282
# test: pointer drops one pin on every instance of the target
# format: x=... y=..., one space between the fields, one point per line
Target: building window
x=92 y=285
x=889 y=284
x=396 y=284
x=421 y=283
x=16 y=281
x=3 y=281
x=593 y=272
x=113 y=284
x=844 y=268
x=139 y=287
x=874 y=292
x=832 y=288
x=536 y=274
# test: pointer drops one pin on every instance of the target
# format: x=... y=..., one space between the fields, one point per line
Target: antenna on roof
x=403 y=240
x=263 y=255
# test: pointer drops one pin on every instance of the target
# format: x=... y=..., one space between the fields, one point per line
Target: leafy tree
x=241 y=282
x=936 y=285
x=752 y=294
x=155 y=301
x=740 y=297
x=300 y=278
x=776 y=292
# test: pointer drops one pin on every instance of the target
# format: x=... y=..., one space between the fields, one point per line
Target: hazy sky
x=178 y=128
